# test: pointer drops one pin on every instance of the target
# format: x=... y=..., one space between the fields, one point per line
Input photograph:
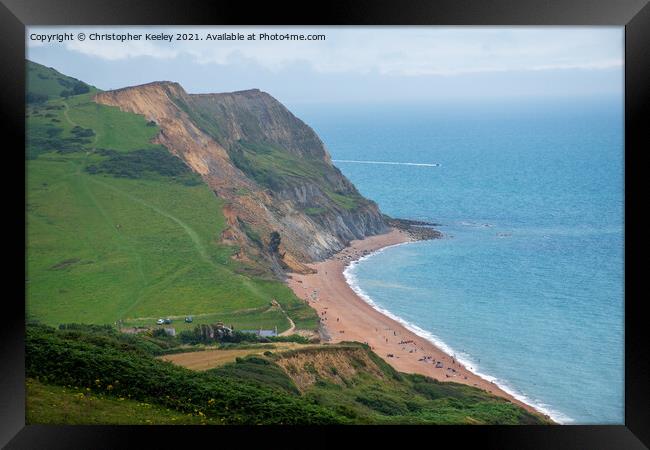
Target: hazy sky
x=355 y=63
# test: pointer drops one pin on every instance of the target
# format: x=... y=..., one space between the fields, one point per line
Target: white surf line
x=352 y=281
x=386 y=162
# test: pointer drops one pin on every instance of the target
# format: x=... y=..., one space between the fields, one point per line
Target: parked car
x=160 y=321
x=188 y=319
x=168 y=321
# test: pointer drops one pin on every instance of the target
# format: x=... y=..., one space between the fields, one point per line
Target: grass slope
x=59 y=405
x=103 y=248
x=98 y=360
x=98 y=366
x=47 y=83
x=399 y=398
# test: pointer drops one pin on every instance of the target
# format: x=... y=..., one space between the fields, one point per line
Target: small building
x=262 y=333
x=170 y=331
x=216 y=331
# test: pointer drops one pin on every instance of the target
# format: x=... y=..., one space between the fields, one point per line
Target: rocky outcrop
x=255 y=116
x=270 y=167
x=416 y=229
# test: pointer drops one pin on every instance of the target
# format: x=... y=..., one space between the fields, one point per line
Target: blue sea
x=526 y=287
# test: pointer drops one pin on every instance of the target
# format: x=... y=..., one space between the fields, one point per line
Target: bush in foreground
x=77 y=358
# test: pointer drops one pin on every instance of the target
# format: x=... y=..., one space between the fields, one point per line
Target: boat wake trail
x=386 y=162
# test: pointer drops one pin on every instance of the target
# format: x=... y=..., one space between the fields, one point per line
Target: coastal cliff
x=124 y=229
x=271 y=169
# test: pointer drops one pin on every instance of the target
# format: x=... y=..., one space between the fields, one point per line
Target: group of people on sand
x=427 y=358
x=322 y=313
x=405 y=347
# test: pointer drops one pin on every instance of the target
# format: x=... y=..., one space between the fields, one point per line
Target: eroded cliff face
x=271 y=169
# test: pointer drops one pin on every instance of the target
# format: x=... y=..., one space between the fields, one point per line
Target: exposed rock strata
x=228 y=139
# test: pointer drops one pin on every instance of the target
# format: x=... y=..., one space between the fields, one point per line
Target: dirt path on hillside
x=291 y=329
x=67 y=117
x=193 y=235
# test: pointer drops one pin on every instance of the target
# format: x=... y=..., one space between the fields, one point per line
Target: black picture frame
x=16 y=14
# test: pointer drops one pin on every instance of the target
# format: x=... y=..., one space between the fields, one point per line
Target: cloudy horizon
x=355 y=63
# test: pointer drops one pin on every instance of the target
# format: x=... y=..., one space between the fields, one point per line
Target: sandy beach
x=347 y=317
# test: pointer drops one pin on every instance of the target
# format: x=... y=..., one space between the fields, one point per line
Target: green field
x=103 y=247
x=57 y=405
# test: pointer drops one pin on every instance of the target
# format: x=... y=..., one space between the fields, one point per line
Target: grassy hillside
x=57 y=405
x=119 y=229
x=45 y=83
x=123 y=366
x=357 y=384
x=345 y=383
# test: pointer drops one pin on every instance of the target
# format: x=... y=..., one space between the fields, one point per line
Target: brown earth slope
x=271 y=168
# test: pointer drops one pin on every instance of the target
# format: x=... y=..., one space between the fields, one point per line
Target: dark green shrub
x=159 y=333
x=34 y=98
x=382 y=403
x=77 y=358
x=140 y=163
x=80 y=132
x=52 y=132
x=80 y=87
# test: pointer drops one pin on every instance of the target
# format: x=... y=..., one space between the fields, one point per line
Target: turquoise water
x=527 y=285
